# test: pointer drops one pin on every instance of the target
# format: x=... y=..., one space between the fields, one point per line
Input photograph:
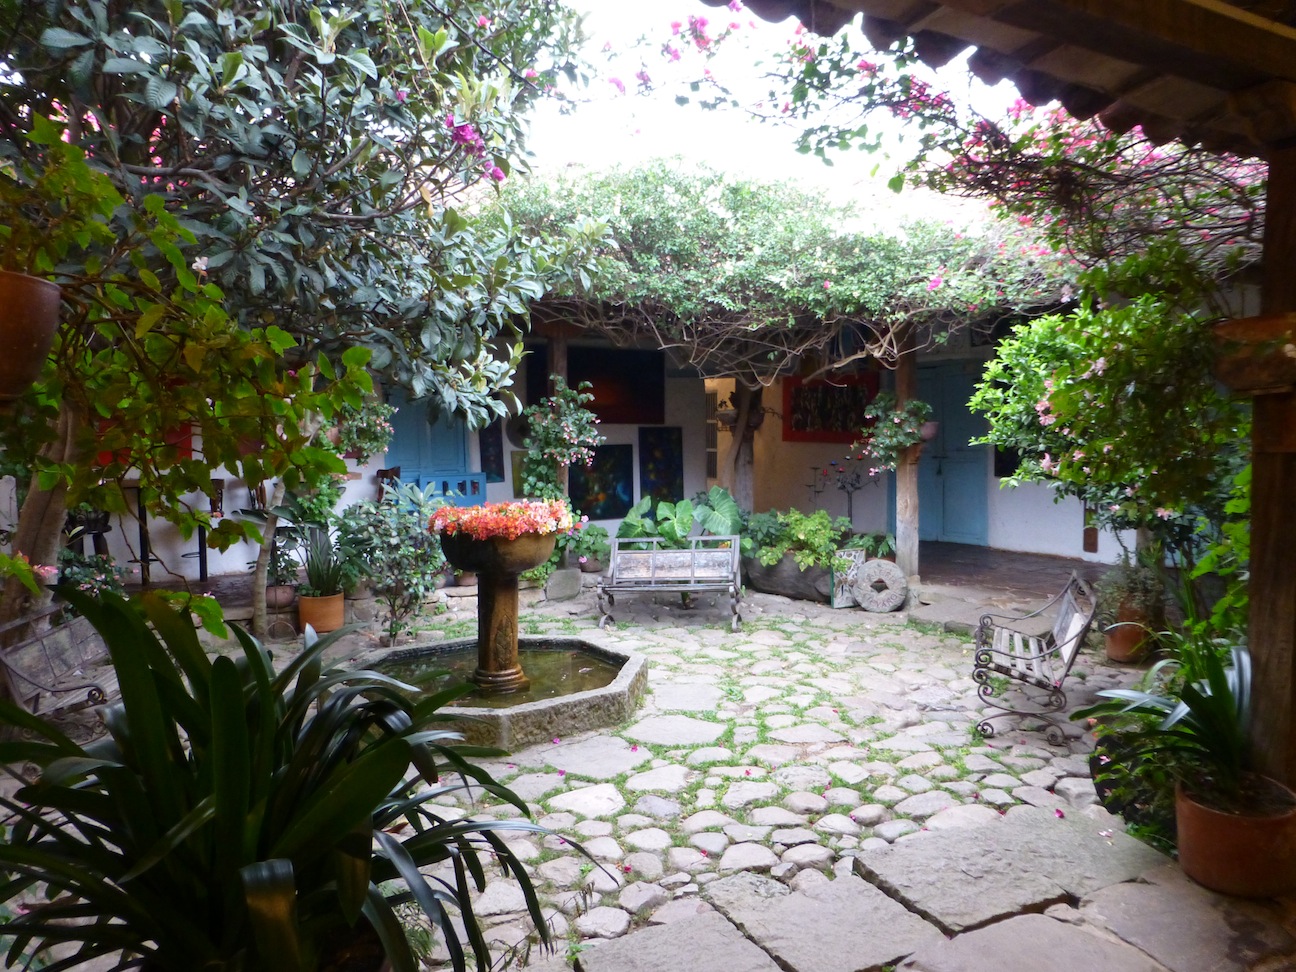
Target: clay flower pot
x=29 y=316
x=1252 y=855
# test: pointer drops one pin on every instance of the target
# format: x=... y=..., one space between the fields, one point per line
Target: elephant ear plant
x=239 y=818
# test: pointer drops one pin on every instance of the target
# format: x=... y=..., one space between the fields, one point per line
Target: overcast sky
x=609 y=127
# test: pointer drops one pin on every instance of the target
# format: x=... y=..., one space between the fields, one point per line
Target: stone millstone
x=838 y=926
x=703 y=943
x=880 y=586
x=966 y=878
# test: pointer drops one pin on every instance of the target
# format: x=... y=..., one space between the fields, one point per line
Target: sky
x=608 y=127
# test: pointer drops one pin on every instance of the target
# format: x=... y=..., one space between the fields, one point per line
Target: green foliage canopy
x=741 y=278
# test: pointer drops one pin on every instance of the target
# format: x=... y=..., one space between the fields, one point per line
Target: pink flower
x=934 y=282
x=401 y=95
x=618 y=84
x=562 y=772
x=530 y=73
x=483 y=21
x=1164 y=513
x=496 y=173
x=827 y=284
x=735 y=5
x=634 y=749
x=556 y=740
x=1059 y=814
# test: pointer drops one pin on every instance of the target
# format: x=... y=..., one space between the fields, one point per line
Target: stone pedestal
x=497 y=562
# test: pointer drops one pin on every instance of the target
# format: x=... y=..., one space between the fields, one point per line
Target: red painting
x=827 y=410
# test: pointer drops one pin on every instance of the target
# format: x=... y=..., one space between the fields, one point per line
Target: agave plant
x=1200 y=729
x=239 y=818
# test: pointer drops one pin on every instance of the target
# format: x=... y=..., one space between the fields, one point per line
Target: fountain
x=577 y=685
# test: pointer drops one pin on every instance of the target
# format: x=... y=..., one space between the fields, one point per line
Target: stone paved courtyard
x=810 y=794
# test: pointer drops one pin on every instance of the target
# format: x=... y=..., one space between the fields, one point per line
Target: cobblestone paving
x=783 y=750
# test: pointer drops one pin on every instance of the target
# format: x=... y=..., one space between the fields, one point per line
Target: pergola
x=1207 y=72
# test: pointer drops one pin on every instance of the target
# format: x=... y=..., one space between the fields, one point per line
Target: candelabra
x=818 y=483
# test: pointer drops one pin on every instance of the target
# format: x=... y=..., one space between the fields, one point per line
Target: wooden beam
x=1273 y=527
x=1269 y=110
x=906 y=474
x=1220 y=32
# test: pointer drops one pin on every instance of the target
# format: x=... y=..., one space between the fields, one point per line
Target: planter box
x=787 y=579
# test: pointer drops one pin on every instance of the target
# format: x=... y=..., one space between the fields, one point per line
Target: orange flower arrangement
x=507 y=520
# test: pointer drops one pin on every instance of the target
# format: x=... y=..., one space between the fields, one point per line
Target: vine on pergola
x=751 y=280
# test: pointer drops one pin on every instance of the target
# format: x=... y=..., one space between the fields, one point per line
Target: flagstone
x=668 y=779
x=705 y=820
x=699 y=943
x=600 y=800
x=675 y=730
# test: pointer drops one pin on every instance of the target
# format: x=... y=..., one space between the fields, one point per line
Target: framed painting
x=661 y=462
x=827 y=411
x=604 y=490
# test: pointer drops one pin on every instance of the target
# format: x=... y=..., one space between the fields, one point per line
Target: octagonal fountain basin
x=576 y=684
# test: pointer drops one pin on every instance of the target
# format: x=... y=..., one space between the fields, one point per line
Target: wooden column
x=1273 y=502
x=906 y=474
x=558 y=369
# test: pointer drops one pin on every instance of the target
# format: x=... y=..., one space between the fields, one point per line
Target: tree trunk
x=906 y=377
x=260 y=623
x=39 y=534
x=736 y=473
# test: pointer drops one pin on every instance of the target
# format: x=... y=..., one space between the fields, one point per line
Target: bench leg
x=736 y=620
x=604 y=615
x=1044 y=709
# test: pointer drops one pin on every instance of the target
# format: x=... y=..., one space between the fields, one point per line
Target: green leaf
x=59 y=39
x=124 y=65
x=897 y=182
x=270 y=891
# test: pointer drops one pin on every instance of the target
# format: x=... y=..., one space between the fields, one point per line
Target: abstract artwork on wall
x=604 y=490
x=827 y=411
x=661 y=463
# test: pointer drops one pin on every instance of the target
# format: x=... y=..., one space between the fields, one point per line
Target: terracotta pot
x=29 y=316
x=279 y=596
x=324 y=614
x=1127 y=639
x=928 y=430
x=1237 y=853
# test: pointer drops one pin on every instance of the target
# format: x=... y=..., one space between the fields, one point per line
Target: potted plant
x=320 y=600
x=45 y=216
x=240 y=817
x=876 y=546
x=390 y=548
x=892 y=430
x=795 y=553
x=1236 y=829
x=589 y=547
x=1131 y=602
x=365 y=431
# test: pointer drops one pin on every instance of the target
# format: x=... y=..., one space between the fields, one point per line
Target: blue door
x=952 y=473
x=434 y=453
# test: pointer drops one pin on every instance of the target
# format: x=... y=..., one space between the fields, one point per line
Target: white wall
x=1026 y=519
x=167 y=545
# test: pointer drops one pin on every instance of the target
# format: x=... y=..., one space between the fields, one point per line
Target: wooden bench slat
x=707 y=565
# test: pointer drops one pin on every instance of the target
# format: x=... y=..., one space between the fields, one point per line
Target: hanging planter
x=29 y=316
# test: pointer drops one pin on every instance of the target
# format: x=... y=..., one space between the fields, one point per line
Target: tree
x=284 y=183
x=752 y=280
x=1115 y=403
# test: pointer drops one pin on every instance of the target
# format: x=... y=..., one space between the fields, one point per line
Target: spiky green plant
x=239 y=818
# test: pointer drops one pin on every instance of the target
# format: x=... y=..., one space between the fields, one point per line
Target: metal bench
x=1035 y=665
x=645 y=566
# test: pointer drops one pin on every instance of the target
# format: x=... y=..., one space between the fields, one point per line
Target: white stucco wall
x=1026 y=519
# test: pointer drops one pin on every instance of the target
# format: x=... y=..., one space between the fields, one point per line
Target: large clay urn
x=497 y=562
x=29 y=316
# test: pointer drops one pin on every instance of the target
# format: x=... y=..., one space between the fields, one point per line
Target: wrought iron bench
x=1035 y=665
x=643 y=566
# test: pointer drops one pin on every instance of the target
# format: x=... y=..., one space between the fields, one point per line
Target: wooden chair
x=1036 y=665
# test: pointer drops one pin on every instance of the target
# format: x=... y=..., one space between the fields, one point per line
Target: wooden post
x=558 y=369
x=906 y=474
x=1273 y=525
